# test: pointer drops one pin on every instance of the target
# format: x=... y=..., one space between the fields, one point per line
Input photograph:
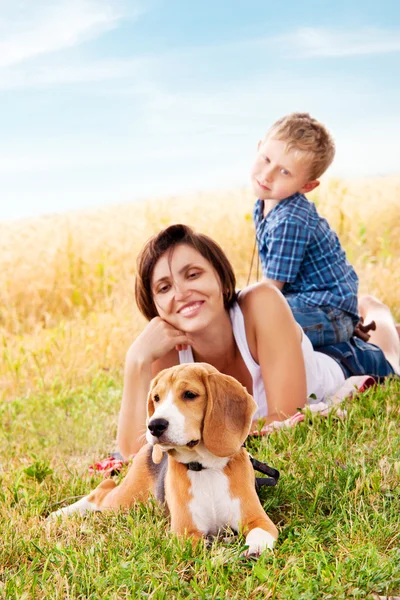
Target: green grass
x=337 y=506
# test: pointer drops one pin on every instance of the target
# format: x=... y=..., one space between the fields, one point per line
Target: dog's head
x=193 y=402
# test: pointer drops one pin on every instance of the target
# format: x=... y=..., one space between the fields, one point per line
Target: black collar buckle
x=195 y=466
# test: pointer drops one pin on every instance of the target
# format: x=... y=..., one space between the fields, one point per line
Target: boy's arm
x=284 y=253
x=275 y=282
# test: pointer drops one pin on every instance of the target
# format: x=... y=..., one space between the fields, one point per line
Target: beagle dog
x=194 y=462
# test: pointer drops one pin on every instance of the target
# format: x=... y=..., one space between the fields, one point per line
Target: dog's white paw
x=82 y=506
x=257 y=541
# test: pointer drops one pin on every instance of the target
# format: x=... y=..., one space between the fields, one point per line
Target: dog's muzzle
x=157 y=427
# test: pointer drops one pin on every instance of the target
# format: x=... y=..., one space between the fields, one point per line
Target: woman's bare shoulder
x=266 y=316
x=266 y=313
x=260 y=295
x=264 y=308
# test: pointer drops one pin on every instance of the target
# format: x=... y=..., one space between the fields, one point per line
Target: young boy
x=299 y=252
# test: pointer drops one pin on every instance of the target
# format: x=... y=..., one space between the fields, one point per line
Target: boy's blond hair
x=308 y=138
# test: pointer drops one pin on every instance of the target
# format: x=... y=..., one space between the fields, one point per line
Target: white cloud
x=61 y=73
x=47 y=156
x=317 y=42
x=47 y=159
x=30 y=29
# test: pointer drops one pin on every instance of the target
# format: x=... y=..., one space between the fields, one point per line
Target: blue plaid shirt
x=298 y=246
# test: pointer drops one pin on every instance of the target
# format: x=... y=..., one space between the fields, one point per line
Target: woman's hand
x=156 y=340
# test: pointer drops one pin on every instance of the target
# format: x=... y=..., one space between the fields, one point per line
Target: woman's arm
x=132 y=415
x=152 y=351
x=274 y=340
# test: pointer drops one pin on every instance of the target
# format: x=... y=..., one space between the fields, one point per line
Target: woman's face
x=186 y=289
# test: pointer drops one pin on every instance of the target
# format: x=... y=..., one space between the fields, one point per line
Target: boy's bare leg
x=386 y=334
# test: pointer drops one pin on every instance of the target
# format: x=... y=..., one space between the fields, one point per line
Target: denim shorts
x=323 y=325
x=357 y=357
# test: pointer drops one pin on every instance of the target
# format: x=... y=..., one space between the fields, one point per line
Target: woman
x=185 y=287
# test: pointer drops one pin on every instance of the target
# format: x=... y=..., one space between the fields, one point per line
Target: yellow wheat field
x=66 y=281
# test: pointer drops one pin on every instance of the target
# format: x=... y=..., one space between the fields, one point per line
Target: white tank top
x=324 y=376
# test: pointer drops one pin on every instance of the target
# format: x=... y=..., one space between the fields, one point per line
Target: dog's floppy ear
x=165 y=373
x=228 y=414
x=150 y=405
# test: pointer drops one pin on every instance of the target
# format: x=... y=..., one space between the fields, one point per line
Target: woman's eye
x=163 y=289
x=193 y=274
x=156 y=398
x=189 y=395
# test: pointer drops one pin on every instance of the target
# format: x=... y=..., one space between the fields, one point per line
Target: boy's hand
x=361 y=330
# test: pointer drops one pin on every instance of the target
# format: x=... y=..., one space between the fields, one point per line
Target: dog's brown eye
x=189 y=395
x=156 y=398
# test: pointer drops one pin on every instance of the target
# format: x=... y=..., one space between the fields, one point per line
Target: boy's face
x=278 y=174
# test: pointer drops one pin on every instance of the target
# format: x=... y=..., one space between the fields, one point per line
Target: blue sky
x=108 y=101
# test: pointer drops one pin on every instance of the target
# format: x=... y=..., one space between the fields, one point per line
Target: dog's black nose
x=158 y=426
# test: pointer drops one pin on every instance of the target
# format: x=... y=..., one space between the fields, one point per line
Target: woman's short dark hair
x=168 y=238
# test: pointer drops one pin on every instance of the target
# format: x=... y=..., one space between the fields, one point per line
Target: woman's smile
x=191 y=308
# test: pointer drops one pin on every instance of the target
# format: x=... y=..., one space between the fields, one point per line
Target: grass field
x=67 y=317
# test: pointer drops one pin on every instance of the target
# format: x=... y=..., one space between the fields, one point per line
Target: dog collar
x=273 y=474
x=195 y=466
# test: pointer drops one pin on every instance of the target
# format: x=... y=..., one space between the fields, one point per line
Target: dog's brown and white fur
x=195 y=415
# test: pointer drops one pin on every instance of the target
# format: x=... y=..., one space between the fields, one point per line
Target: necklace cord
x=254 y=253
x=252 y=261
